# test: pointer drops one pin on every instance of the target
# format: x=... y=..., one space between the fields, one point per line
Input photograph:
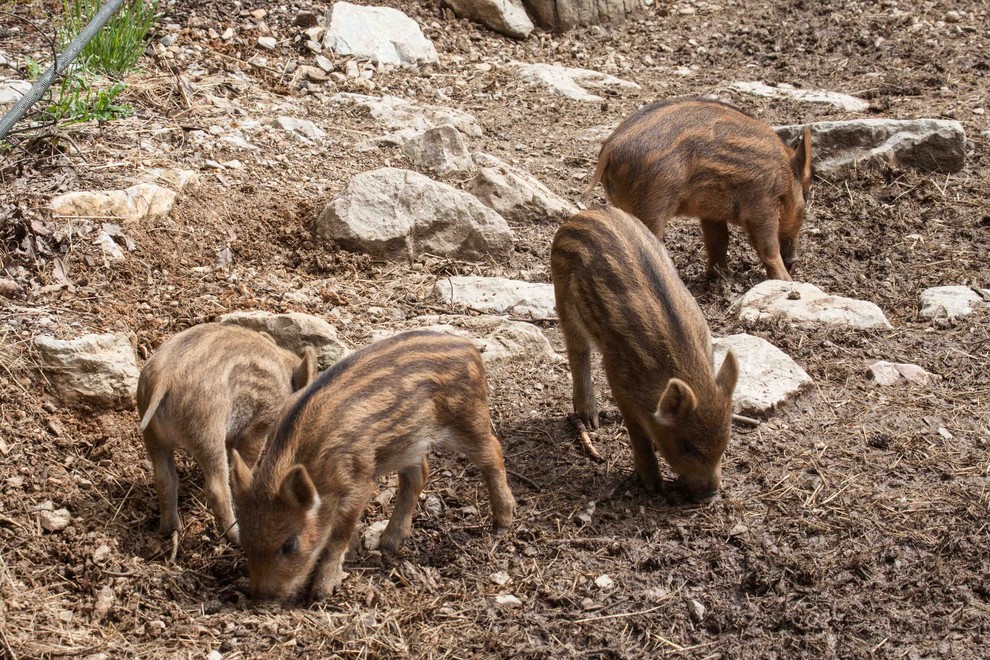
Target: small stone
x=324 y=63
x=267 y=42
x=313 y=46
x=893 y=373
x=228 y=34
x=104 y=603
x=433 y=506
x=101 y=554
x=55 y=521
x=588 y=603
x=259 y=14
x=604 y=582
x=952 y=16
x=738 y=529
x=945 y=433
x=508 y=600
x=373 y=535
x=214 y=655
x=696 y=610
x=301 y=127
x=312 y=73
x=500 y=578
x=584 y=516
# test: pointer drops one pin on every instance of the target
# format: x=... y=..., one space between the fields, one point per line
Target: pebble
x=499 y=578
x=952 y=16
x=696 y=610
x=267 y=42
x=55 y=521
x=433 y=505
x=101 y=554
x=214 y=655
x=604 y=582
x=508 y=600
x=324 y=63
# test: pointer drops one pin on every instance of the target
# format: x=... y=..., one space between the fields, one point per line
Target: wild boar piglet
x=703 y=158
x=616 y=288
x=375 y=412
x=207 y=390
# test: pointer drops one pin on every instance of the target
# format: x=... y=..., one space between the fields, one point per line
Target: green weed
x=78 y=101
x=116 y=49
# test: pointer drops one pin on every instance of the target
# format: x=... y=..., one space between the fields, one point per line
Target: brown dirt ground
x=848 y=525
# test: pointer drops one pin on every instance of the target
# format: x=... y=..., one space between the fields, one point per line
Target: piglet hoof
x=588 y=416
x=652 y=483
x=325 y=588
x=233 y=534
x=390 y=543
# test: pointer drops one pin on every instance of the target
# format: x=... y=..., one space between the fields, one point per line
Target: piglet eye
x=290 y=547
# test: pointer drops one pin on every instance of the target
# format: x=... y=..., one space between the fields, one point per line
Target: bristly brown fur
x=707 y=159
x=616 y=287
x=375 y=412
x=208 y=390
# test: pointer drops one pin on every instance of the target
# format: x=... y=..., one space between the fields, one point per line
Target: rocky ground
x=852 y=519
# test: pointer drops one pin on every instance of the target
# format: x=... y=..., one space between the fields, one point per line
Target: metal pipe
x=59 y=66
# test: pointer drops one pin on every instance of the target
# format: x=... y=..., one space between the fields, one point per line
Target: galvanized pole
x=59 y=66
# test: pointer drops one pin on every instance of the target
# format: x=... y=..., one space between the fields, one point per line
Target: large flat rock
x=515 y=194
x=569 y=82
x=929 y=145
x=507 y=17
x=380 y=34
x=768 y=377
x=498 y=295
x=294 y=332
x=807 y=306
x=144 y=201
x=952 y=301
x=396 y=114
x=819 y=96
x=399 y=214
x=98 y=370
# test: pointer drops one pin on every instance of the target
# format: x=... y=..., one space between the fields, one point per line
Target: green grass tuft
x=116 y=49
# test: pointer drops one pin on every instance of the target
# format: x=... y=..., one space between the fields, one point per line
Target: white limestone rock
x=399 y=214
x=97 y=370
x=498 y=295
x=294 y=332
x=844 y=101
x=952 y=301
x=380 y=34
x=569 y=82
x=807 y=306
x=515 y=194
x=768 y=377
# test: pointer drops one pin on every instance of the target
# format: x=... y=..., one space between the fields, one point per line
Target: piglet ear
x=297 y=489
x=677 y=402
x=801 y=161
x=240 y=475
x=728 y=375
x=306 y=371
